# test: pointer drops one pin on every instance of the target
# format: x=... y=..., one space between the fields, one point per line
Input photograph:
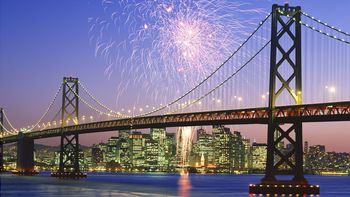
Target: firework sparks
x=184 y=144
x=166 y=46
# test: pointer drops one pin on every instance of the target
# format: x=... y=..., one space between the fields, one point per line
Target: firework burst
x=162 y=48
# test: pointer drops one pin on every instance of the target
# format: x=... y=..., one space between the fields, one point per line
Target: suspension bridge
x=276 y=46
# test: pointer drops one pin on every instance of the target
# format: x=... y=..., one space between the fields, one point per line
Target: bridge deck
x=324 y=112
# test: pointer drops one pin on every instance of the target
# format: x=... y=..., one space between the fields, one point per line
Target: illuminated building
x=222 y=139
x=125 y=154
x=203 y=146
x=152 y=149
x=137 y=146
x=159 y=135
x=96 y=154
x=258 y=158
x=113 y=149
x=238 y=151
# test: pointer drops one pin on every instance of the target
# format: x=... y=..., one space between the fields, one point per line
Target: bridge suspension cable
x=118 y=114
x=227 y=79
x=47 y=110
x=91 y=106
x=322 y=32
x=326 y=24
x=9 y=122
x=6 y=130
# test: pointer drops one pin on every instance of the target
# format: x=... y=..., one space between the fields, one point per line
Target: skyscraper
x=204 y=146
x=159 y=135
x=152 y=149
x=125 y=155
x=238 y=151
x=113 y=149
x=258 y=158
x=137 y=146
x=222 y=148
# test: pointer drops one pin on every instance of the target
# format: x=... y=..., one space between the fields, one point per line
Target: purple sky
x=41 y=41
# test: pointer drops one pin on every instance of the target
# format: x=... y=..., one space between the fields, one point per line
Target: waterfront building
x=137 y=149
x=159 y=135
x=238 y=152
x=96 y=154
x=113 y=150
x=258 y=158
x=170 y=151
x=222 y=138
x=125 y=153
x=152 y=149
x=205 y=147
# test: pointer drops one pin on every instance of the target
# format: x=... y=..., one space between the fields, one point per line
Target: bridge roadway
x=325 y=112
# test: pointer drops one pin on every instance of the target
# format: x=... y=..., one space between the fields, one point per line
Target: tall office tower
x=159 y=135
x=170 y=151
x=247 y=154
x=238 y=151
x=205 y=147
x=259 y=154
x=222 y=148
x=137 y=149
x=113 y=148
x=151 y=154
x=96 y=154
x=125 y=153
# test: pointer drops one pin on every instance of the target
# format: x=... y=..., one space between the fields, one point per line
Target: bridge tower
x=1 y=143
x=285 y=24
x=69 y=148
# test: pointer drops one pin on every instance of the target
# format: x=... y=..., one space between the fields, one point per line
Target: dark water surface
x=111 y=184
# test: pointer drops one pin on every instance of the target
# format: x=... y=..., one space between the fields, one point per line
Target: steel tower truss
x=285 y=24
x=69 y=149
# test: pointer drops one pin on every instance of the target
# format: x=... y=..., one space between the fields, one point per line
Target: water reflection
x=184 y=185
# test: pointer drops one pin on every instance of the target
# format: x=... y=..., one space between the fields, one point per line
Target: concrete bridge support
x=25 y=155
x=1 y=157
x=1 y=142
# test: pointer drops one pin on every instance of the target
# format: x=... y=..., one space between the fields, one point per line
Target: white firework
x=161 y=48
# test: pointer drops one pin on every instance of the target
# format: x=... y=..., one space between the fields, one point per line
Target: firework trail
x=184 y=138
x=161 y=48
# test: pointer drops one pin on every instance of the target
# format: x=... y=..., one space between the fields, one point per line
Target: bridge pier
x=1 y=142
x=25 y=156
x=2 y=169
x=280 y=161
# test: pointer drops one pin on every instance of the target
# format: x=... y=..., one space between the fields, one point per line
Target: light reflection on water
x=125 y=185
x=184 y=185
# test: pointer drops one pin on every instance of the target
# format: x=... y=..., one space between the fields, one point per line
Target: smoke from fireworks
x=162 y=48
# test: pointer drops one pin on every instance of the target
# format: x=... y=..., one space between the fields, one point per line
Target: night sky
x=43 y=40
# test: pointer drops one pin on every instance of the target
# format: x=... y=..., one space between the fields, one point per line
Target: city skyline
x=62 y=50
x=134 y=151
